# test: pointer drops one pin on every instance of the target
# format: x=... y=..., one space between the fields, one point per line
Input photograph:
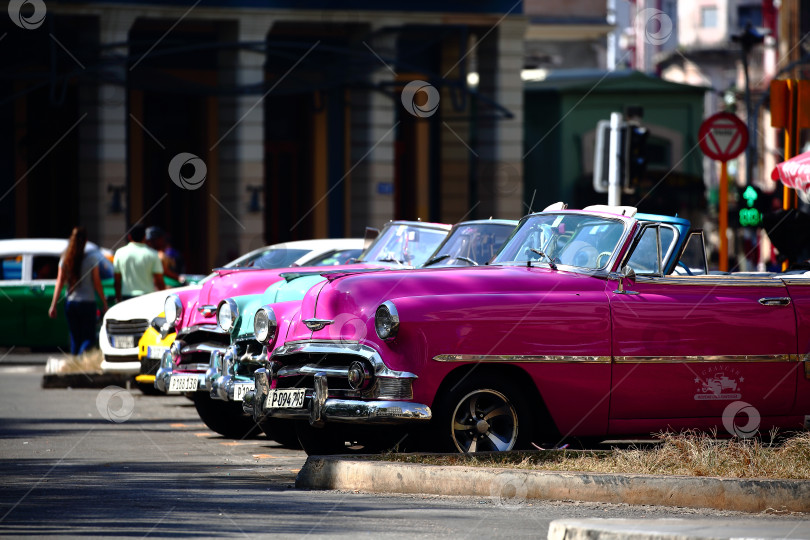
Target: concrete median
x=516 y=485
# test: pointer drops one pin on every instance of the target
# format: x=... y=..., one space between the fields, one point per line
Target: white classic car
x=125 y=323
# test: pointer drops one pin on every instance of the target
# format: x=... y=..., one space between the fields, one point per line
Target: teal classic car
x=261 y=320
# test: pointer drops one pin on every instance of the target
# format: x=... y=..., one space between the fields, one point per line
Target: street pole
x=723 y=221
x=616 y=161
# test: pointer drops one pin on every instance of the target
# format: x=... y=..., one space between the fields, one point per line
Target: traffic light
x=635 y=137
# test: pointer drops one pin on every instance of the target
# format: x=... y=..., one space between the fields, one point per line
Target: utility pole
x=616 y=160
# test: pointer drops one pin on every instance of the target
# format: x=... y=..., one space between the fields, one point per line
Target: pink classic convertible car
x=588 y=323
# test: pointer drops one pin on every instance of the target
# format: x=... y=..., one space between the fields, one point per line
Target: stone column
x=373 y=117
x=241 y=146
x=103 y=135
x=500 y=60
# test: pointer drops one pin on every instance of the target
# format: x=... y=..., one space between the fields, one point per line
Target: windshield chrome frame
x=628 y=226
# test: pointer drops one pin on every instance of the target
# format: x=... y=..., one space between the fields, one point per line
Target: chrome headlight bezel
x=265 y=324
x=386 y=321
x=227 y=313
x=172 y=309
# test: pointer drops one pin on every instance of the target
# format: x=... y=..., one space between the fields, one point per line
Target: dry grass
x=689 y=454
x=87 y=362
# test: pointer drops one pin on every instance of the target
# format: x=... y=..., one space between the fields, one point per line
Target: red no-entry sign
x=723 y=136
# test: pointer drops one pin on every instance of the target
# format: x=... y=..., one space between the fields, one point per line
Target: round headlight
x=264 y=324
x=386 y=320
x=227 y=312
x=172 y=308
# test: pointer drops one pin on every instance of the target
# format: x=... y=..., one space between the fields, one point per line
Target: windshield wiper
x=551 y=262
x=436 y=259
x=390 y=259
x=468 y=260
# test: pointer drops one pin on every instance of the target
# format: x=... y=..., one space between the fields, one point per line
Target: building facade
x=233 y=124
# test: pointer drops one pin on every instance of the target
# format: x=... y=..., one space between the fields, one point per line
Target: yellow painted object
x=151 y=348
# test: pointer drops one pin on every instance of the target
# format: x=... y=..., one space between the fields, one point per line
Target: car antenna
x=532 y=201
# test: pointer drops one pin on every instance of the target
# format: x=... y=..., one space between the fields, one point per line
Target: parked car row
x=490 y=336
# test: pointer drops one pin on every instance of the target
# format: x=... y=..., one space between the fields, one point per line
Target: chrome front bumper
x=166 y=371
x=320 y=408
x=220 y=378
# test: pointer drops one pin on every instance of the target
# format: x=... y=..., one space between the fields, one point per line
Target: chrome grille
x=133 y=327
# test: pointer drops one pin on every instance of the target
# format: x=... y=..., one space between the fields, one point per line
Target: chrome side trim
x=713 y=280
x=521 y=358
x=327 y=347
x=710 y=358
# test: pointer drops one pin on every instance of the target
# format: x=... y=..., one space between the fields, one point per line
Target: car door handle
x=775 y=301
x=39 y=289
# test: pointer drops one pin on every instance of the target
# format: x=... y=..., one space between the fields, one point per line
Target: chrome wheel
x=484 y=420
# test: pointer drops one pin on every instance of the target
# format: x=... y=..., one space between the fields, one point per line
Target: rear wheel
x=482 y=414
x=225 y=417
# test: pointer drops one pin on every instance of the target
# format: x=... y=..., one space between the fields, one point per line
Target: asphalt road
x=120 y=464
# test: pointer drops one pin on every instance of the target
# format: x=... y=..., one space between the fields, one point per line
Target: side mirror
x=157 y=323
x=626 y=274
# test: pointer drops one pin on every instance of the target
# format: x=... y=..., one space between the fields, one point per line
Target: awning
x=795 y=173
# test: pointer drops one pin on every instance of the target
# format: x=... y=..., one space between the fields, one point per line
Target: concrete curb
x=514 y=486
x=85 y=380
x=673 y=529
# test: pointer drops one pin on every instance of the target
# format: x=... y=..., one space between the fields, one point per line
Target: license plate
x=155 y=352
x=123 y=342
x=240 y=389
x=286 y=399
x=183 y=383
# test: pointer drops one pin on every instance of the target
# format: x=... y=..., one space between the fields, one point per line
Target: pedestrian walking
x=79 y=271
x=137 y=267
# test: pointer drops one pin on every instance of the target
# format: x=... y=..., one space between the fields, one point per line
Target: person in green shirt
x=137 y=267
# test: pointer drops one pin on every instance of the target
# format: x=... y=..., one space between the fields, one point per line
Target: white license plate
x=240 y=389
x=123 y=342
x=155 y=352
x=183 y=383
x=286 y=399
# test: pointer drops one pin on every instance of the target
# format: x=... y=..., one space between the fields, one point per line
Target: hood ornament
x=317 y=324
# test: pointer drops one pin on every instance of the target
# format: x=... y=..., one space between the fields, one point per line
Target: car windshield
x=334 y=258
x=471 y=244
x=584 y=241
x=407 y=245
x=269 y=258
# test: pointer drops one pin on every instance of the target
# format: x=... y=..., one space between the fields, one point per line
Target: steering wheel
x=686 y=269
x=599 y=258
x=579 y=253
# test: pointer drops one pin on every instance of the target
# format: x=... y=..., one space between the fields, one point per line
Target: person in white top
x=137 y=267
x=79 y=271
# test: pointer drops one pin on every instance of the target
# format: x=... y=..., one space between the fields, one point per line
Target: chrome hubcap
x=484 y=420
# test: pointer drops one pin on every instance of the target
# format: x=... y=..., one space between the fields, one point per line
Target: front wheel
x=281 y=431
x=225 y=417
x=343 y=439
x=483 y=414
